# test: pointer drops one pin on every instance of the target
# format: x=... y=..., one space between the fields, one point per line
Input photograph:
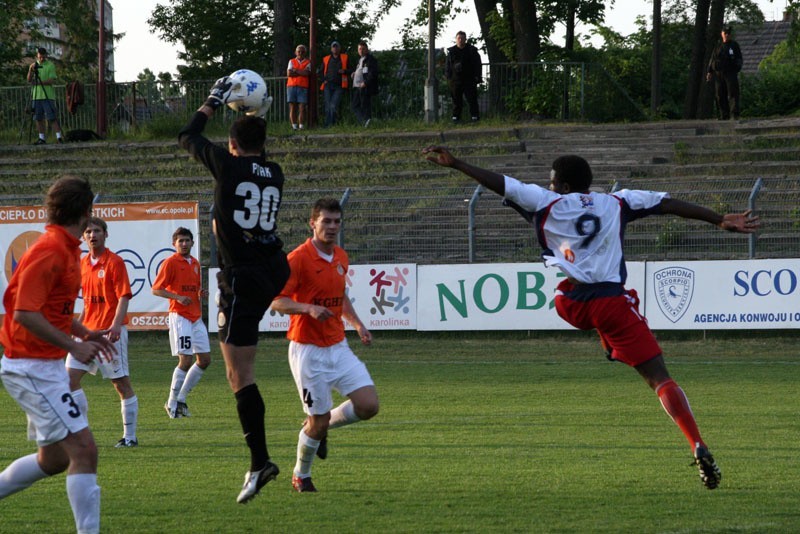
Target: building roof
x=759 y=42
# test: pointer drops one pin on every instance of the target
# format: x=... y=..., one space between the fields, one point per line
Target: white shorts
x=186 y=337
x=116 y=368
x=319 y=370
x=41 y=388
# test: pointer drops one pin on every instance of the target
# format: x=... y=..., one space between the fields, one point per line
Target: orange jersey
x=103 y=285
x=181 y=276
x=46 y=280
x=314 y=280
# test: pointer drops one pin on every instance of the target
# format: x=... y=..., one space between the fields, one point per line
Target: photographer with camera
x=42 y=75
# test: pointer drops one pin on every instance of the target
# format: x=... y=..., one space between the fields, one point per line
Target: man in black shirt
x=365 y=84
x=723 y=68
x=247 y=195
x=463 y=72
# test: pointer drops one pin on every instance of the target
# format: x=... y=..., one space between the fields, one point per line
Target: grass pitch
x=477 y=433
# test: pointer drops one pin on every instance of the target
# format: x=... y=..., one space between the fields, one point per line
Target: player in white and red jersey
x=582 y=234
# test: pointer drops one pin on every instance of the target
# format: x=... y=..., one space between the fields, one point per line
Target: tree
x=709 y=16
x=219 y=36
x=80 y=58
x=17 y=19
x=282 y=33
x=698 y=59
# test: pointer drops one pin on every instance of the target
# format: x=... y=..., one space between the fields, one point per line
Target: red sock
x=677 y=407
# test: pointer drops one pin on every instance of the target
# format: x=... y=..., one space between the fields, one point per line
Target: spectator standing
x=463 y=72
x=335 y=73
x=297 y=82
x=42 y=75
x=723 y=68
x=106 y=291
x=365 y=84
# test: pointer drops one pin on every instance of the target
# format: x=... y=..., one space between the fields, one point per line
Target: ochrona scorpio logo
x=674 y=289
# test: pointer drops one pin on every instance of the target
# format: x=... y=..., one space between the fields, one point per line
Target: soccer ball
x=248 y=93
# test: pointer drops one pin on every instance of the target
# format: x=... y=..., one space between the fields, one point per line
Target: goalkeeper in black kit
x=247 y=196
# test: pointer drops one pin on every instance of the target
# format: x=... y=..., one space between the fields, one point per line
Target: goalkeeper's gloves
x=220 y=93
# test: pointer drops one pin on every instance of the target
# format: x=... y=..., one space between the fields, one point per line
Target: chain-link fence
x=437 y=225
x=561 y=91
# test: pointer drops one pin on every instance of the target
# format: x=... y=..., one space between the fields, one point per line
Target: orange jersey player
x=37 y=333
x=106 y=292
x=179 y=280
x=319 y=356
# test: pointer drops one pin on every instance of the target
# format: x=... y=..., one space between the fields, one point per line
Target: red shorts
x=616 y=318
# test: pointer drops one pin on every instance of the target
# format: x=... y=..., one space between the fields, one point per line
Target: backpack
x=74 y=95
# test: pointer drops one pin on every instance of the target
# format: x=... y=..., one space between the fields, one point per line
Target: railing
x=560 y=91
x=441 y=225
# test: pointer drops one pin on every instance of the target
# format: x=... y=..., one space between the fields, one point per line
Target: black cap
x=727 y=28
x=42 y=51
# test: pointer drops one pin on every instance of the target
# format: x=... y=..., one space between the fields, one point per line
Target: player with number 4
x=248 y=191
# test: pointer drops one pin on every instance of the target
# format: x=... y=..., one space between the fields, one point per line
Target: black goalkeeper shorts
x=245 y=293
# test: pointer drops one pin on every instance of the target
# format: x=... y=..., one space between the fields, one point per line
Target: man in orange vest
x=298 y=71
x=334 y=81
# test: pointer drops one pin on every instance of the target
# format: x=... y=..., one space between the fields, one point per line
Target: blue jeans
x=333 y=95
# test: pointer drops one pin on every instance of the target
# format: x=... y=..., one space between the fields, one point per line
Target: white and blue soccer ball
x=249 y=93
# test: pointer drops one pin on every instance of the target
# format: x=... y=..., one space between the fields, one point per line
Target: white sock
x=192 y=378
x=84 y=498
x=178 y=376
x=21 y=474
x=344 y=414
x=306 y=449
x=58 y=135
x=130 y=417
x=41 y=136
x=80 y=399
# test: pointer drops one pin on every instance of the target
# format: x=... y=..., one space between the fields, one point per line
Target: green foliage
x=775 y=90
x=502 y=33
x=15 y=17
x=218 y=36
x=478 y=432
x=673 y=234
x=628 y=59
x=414 y=31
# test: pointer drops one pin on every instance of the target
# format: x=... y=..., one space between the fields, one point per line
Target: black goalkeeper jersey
x=247 y=195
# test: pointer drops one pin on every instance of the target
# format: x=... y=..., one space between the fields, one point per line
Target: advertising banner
x=141 y=233
x=384 y=297
x=504 y=296
x=723 y=295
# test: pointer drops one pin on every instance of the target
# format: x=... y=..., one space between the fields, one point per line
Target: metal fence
x=561 y=91
x=461 y=224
